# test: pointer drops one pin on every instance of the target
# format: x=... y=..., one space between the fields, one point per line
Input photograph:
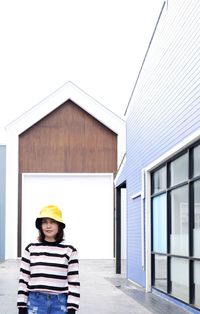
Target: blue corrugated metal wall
x=134 y=253
x=165 y=107
x=2 y=201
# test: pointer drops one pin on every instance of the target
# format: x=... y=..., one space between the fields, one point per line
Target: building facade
x=2 y=200
x=64 y=151
x=162 y=168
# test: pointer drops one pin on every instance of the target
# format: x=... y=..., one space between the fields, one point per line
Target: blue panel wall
x=134 y=253
x=2 y=201
x=165 y=107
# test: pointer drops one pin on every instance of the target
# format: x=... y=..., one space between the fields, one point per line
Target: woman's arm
x=73 y=282
x=23 y=282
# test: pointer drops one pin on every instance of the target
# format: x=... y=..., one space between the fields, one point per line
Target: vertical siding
x=2 y=201
x=68 y=140
x=165 y=107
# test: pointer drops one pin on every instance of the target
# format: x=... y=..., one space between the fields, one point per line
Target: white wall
x=87 y=204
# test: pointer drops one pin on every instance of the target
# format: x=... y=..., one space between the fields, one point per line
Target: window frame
x=190 y=184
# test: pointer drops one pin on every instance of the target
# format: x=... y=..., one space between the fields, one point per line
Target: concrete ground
x=102 y=291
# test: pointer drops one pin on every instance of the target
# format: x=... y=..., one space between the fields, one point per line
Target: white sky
x=99 y=45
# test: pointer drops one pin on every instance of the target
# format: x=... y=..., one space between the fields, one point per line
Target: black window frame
x=191 y=259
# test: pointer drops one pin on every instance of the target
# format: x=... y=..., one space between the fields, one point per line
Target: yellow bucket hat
x=50 y=211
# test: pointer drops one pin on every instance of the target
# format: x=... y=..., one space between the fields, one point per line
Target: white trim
x=148 y=231
x=142 y=220
x=121 y=167
x=169 y=154
x=136 y=195
x=174 y=150
x=69 y=91
x=135 y=283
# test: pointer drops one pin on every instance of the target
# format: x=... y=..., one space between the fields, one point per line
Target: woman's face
x=49 y=228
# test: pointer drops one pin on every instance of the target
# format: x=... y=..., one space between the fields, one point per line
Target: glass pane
x=197 y=161
x=180 y=283
x=197 y=283
x=159 y=180
x=160 y=280
x=159 y=224
x=179 y=221
x=196 y=231
x=179 y=170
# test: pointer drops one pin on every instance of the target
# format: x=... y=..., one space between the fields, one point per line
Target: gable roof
x=68 y=91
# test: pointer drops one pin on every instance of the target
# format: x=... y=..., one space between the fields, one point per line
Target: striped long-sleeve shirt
x=49 y=267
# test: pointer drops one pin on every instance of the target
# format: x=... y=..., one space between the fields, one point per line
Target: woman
x=49 y=273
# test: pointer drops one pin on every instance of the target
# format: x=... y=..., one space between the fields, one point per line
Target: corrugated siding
x=165 y=106
x=134 y=255
x=2 y=200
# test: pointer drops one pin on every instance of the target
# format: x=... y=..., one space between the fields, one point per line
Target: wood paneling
x=68 y=140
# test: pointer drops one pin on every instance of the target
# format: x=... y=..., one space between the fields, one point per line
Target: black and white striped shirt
x=49 y=267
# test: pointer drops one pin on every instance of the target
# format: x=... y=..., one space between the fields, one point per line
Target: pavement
x=102 y=291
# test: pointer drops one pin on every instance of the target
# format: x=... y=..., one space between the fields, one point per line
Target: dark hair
x=59 y=236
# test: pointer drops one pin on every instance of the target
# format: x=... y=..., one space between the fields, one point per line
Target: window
x=179 y=221
x=159 y=180
x=196 y=231
x=159 y=224
x=197 y=161
x=180 y=283
x=175 y=211
x=179 y=170
x=160 y=278
x=197 y=283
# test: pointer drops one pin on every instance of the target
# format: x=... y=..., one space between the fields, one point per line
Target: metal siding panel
x=134 y=270
x=165 y=107
x=2 y=201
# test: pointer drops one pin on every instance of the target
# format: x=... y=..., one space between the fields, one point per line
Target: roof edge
x=67 y=91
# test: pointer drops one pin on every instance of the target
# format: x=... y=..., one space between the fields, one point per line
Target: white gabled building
x=65 y=151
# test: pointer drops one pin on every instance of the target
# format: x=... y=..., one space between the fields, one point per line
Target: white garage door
x=87 y=204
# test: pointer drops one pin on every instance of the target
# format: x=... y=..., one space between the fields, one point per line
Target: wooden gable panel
x=68 y=140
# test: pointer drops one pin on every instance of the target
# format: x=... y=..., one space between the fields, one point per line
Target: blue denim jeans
x=43 y=303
